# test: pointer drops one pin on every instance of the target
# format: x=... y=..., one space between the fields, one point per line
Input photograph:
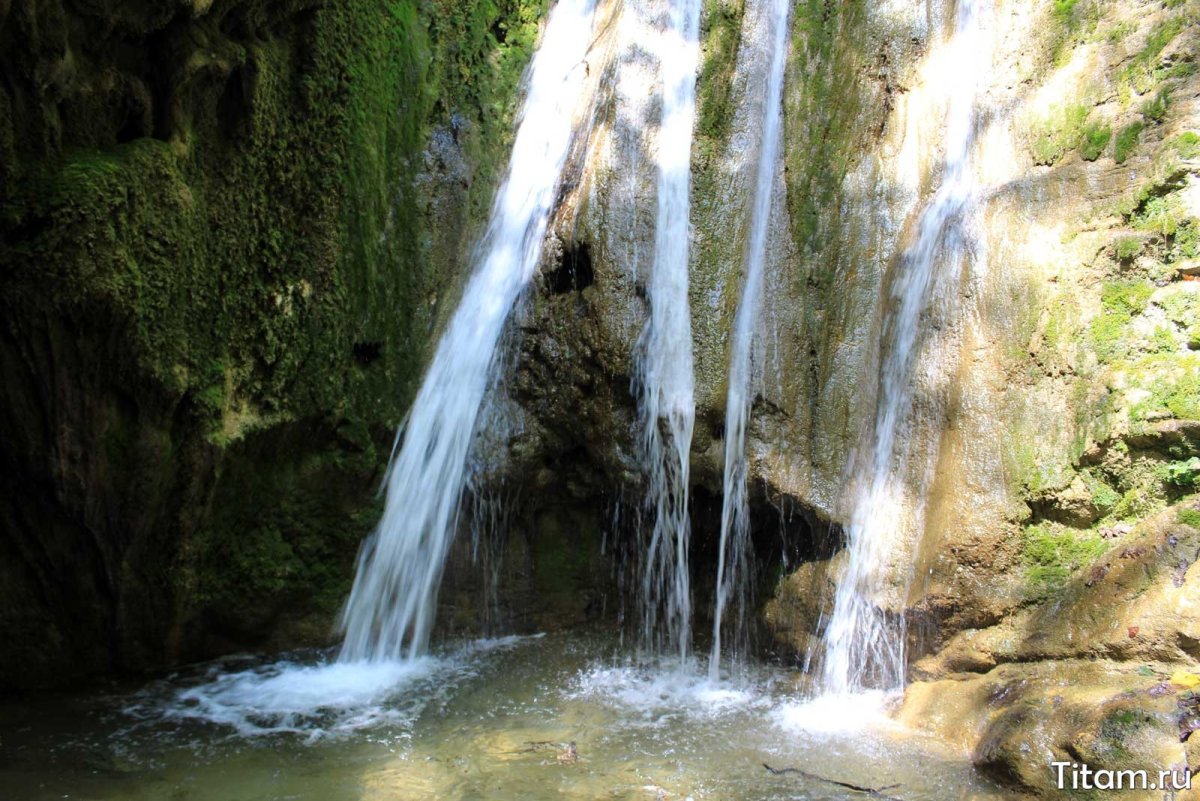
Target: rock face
x=225 y=228
x=1055 y=386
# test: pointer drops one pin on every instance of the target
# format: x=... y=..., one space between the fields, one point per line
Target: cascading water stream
x=391 y=607
x=664 y=366
x=862 y=648
x=734 y=555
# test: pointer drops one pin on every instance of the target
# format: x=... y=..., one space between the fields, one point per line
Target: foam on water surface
x=323 y=698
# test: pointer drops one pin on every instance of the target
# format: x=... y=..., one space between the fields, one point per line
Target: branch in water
x=879 y=792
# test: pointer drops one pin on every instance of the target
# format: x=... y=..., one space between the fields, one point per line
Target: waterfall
x=733 y=560
x=391 y=607
x=664 y=360
x=862 y=648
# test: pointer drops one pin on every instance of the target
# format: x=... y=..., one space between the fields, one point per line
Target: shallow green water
x=488 y=720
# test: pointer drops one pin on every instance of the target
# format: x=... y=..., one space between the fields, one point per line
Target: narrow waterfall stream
x=391 y=607
x=388 y=618
x=664 y=368
x=734 y=555
x=864 y=649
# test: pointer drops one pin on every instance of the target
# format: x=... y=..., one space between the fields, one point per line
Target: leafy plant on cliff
x=1127 y=248
x=1182 y=473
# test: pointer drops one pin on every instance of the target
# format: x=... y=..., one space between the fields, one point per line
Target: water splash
x=319 y=699
x=863 y=646
x=391 y=606
x=733 y=562
x=664 y=368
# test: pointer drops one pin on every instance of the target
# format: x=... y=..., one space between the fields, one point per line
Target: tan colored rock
x=793 y=615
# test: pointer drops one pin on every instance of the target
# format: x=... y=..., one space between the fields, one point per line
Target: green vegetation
x=1140 y=72
x=1072 y=22
x=1189 y=516
x=1155 y=109
x=1103 y=495
x=1118 y=32
x=1120 y=301
x=247 y=260
x=1183 y=397
x=1127 y=248
x=1182 y=473
x=1051 y=554
x=1187 y=145
x=1187 y=239
x=1096 y=137
x=823 y=110
x=1127 y=141
x=714 y=107
x=1172 y=381
x=1061 y=131
x=1160 y=215
x=1138 y=502
x=1163 y=340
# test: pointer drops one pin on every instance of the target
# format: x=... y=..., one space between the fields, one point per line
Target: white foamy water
x=316 y=700
x=659 y=695
x=863 y=648
x=664 y=363
x=322 y=699
x=391 y=607
x=836 y=714
x=734 y=554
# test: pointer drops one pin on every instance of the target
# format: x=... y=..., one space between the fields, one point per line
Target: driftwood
x=876 y=792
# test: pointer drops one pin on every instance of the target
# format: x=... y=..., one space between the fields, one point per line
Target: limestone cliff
x=1052 y=444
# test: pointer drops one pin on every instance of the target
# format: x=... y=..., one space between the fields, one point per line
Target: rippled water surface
x=491 y=719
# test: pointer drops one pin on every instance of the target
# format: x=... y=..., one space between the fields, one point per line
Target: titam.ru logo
x=1078 y=776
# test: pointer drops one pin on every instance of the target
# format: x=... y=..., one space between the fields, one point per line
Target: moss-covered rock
x=225 y=231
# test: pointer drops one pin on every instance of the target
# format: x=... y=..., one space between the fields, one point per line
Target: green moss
x=1118 y=729
x=1128 y=247
x=228 y=264
x=1187 y=239
x=1127 y=141
x=1051 y=554
x=1183 y=397
x=1160 y=215
x=1139 y=72
x=1072 y=22
x=1059 y=132
x=1096 y=137
x=1103 y=495
x=714 y=85
x=1163 y=340
x=1118 y=32
x=1155 y=109
x=1182 y=308
x=823 y=110
x=1139 y=502
x=1189 y=517
x=1110 y=332
x=1187 y=144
